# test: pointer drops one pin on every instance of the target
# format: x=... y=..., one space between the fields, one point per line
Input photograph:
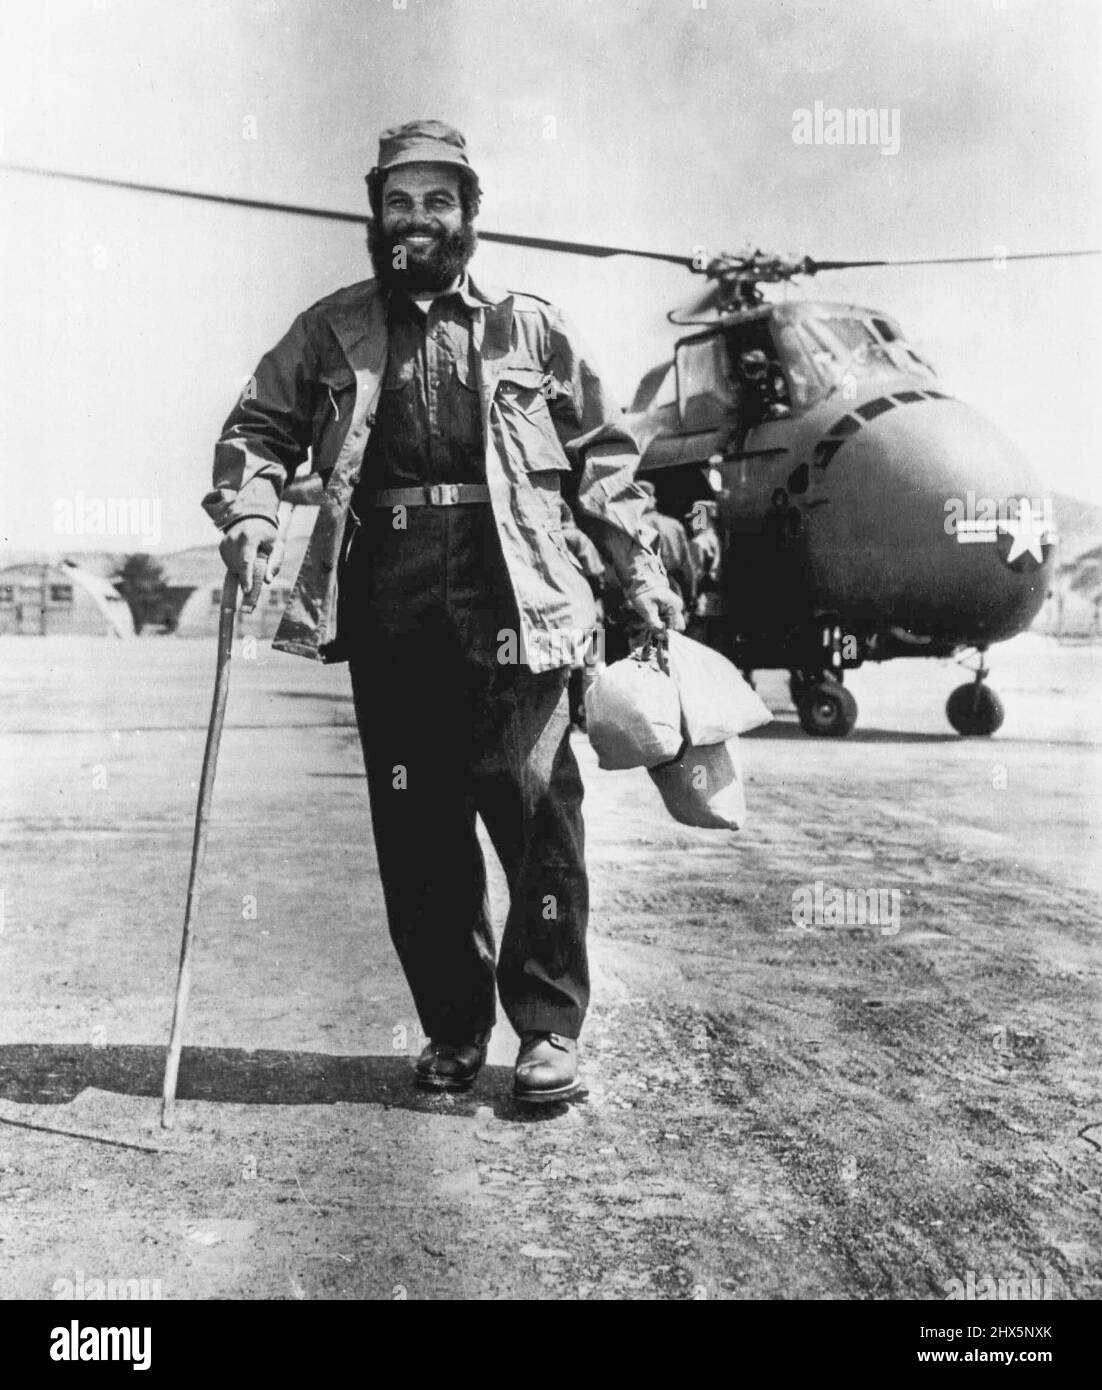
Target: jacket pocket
x=336 y=395
x=521 y=397
x=336 y=381
x=524 y=389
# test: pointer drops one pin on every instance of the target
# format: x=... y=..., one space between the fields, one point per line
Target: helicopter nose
x=921 y=514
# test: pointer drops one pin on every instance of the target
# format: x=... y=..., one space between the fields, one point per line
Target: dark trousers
x=449 y=734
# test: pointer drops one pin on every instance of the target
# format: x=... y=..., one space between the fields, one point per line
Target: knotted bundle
x=676 y=707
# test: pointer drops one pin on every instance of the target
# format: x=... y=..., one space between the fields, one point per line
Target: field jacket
x=545 y=413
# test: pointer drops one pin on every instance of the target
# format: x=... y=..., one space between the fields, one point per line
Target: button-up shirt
x=429 y=425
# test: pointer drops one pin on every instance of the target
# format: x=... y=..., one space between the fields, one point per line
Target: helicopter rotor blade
x=712 y=298
x=719 y=291
x=812 y=267
x=230 y=200
x=579 y=248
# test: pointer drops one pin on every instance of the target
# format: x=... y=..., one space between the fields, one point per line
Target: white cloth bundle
x=716 y=701
x=676 y=707
x=633 y=714
x=704 y=787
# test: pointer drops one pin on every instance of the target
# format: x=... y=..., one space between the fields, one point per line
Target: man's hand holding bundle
x=660 y=608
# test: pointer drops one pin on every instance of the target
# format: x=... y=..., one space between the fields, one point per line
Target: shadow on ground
x=333 y=696
x=56 y=1073
x=789 y=729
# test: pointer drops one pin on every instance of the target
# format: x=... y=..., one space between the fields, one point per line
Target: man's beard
x=445 y=261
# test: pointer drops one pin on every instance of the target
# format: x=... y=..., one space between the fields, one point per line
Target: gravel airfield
x=773 y=1111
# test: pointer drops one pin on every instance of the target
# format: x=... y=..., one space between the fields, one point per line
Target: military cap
x=422 y=142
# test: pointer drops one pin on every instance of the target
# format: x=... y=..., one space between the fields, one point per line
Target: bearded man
x=444 y=417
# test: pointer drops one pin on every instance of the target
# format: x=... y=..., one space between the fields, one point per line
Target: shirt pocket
x=399 y=373
x=463 y=373
x=462 y=361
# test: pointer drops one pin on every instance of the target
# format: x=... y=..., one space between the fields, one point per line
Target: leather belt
x=436 y=495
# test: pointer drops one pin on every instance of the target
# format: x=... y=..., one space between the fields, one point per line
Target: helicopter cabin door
x=765 y=596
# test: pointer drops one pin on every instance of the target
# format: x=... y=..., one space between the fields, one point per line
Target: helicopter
x=862 y=512
x=840 y=469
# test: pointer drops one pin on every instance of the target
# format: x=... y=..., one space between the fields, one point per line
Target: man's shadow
x=55 y=1073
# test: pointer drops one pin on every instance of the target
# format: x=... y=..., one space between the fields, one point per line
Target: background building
x=60 y=597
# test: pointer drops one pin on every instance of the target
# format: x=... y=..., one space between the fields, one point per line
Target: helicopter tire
x=826 y=710
x=974 y=710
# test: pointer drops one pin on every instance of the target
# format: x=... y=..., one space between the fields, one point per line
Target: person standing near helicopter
x=443 y=414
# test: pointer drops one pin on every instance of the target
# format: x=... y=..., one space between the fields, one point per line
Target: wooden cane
x=226 y=619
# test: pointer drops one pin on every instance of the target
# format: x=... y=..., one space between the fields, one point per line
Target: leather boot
x=547 y=1068
x=450 y=1066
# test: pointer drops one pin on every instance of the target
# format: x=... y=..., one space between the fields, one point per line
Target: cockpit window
x=795 y=350
x=705 y=389
x=818 y=353
x=901 y=352
x=849 y=346
x=913 y=361
x=844 y=346
x=667 y=391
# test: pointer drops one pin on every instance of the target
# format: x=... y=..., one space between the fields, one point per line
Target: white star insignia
x=1028 y=530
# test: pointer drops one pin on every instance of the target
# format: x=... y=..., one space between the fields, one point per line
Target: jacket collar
x=478 y=294
x=470 y=295
x=359 y=324
x=482 y=293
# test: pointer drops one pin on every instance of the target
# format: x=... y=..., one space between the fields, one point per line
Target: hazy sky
x=130 y=321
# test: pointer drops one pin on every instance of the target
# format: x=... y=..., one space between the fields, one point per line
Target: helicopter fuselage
x=863 y=513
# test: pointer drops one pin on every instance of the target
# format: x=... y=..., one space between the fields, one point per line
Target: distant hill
x=1074 y=605
x=192 y=568
x=1079 y=524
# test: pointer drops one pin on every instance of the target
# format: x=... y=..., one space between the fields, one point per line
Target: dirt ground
x=773 y=1111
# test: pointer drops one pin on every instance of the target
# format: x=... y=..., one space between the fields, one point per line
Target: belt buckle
x=443 y=494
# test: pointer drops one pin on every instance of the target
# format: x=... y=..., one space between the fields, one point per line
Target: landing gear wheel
x=974 y=710
x=826 y=709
